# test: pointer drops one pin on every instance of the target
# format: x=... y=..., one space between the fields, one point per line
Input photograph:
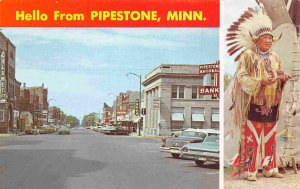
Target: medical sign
x=2 y=76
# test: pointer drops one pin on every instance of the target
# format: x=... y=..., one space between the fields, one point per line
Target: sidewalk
x=6 y=134
x=10 y=134
x=143 y=136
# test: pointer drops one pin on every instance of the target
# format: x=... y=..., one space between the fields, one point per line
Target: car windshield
x=192 y=134
x=212 y=138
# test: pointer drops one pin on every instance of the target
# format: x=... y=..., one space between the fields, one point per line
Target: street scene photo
x=109 y=108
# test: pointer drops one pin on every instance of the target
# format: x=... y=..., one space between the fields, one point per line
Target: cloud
x=148 y=38
x=58 y=81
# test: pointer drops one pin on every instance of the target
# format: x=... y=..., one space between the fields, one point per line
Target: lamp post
x=116 y=107
x=48 y=110
x=140 y=98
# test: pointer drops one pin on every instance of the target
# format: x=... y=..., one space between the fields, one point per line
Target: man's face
x=264 y=42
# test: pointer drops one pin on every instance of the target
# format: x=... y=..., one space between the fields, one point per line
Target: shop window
x=177 y=118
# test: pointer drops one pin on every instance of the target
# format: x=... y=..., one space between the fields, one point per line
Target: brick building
x=7 y=83
x=33 y=105
x=107 y=114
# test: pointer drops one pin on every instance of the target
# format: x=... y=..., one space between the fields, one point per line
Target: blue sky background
x=81 y=66
x=232 y=10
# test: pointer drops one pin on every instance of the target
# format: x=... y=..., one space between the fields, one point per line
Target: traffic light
x=143 y=111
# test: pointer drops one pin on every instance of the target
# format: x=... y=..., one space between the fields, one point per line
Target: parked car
x=63 y=130
x=29 y=130
x=208 y=150
x=115 y=130
x=173 y=145
x=46 y=129
x=98 y=129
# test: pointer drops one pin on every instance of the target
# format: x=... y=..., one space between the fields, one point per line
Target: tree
x=227 y=80
x=72 y=120
x=89 y=120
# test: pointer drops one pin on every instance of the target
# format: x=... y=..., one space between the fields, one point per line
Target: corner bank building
x=174 y=98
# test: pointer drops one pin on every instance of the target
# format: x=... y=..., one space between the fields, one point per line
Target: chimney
x=43 y=85
x=24 y=84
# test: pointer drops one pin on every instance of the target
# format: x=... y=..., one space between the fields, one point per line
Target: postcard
x=109 y=94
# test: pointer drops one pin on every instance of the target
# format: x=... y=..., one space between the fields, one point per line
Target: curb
x=136 y=136
x=6 y=135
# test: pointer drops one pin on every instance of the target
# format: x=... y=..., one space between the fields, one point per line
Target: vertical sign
x=156 y=103
x=211 y=69
x=2 y=76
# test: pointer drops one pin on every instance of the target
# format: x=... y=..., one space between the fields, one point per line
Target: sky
x=82 y=66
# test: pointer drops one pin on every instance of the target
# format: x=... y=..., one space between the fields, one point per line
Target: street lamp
x=140 y=98
x=48 y=110
x=116 y=106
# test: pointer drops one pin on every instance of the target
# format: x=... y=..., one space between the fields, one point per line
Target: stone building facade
x=173 y=101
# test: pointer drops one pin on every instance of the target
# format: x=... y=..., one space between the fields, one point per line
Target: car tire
x=199 y=163
x=175 y=155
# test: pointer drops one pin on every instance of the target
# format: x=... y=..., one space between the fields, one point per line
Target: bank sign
x=209 y=90
x=2 y=77
x=209 y=68
x=212 y=70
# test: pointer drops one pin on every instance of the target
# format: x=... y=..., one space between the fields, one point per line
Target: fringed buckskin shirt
x=254 y=67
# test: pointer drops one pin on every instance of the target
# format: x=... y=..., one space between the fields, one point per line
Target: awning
x=177 y=116
x=215 y=117
x=198 y=117
x=136 y=120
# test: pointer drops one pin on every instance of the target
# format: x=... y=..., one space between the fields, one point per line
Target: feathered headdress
x=243 y=33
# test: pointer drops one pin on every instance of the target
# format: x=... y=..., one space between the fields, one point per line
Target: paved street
x=86 y=159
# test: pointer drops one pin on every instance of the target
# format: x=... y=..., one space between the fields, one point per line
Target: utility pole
x=140 y=99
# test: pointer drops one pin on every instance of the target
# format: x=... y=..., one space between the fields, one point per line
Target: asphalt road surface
x=87 y=160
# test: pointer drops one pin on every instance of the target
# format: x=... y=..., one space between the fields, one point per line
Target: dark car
x=208 y=150
x=173 y=145
x=115 y=130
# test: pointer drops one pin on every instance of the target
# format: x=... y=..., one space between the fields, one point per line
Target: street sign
x=42 y=116
x=51 y=120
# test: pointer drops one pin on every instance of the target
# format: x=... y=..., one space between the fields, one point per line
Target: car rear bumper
x=207 y=158
x=165 y=149
x=170 y=150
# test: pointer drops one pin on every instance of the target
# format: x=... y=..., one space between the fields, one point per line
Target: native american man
x=256 y=93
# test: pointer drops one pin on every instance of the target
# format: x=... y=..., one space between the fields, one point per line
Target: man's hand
x=283 y=76
x=268 y=81
x=286 y=77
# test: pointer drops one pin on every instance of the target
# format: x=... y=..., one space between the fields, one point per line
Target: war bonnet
x=244 y=32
